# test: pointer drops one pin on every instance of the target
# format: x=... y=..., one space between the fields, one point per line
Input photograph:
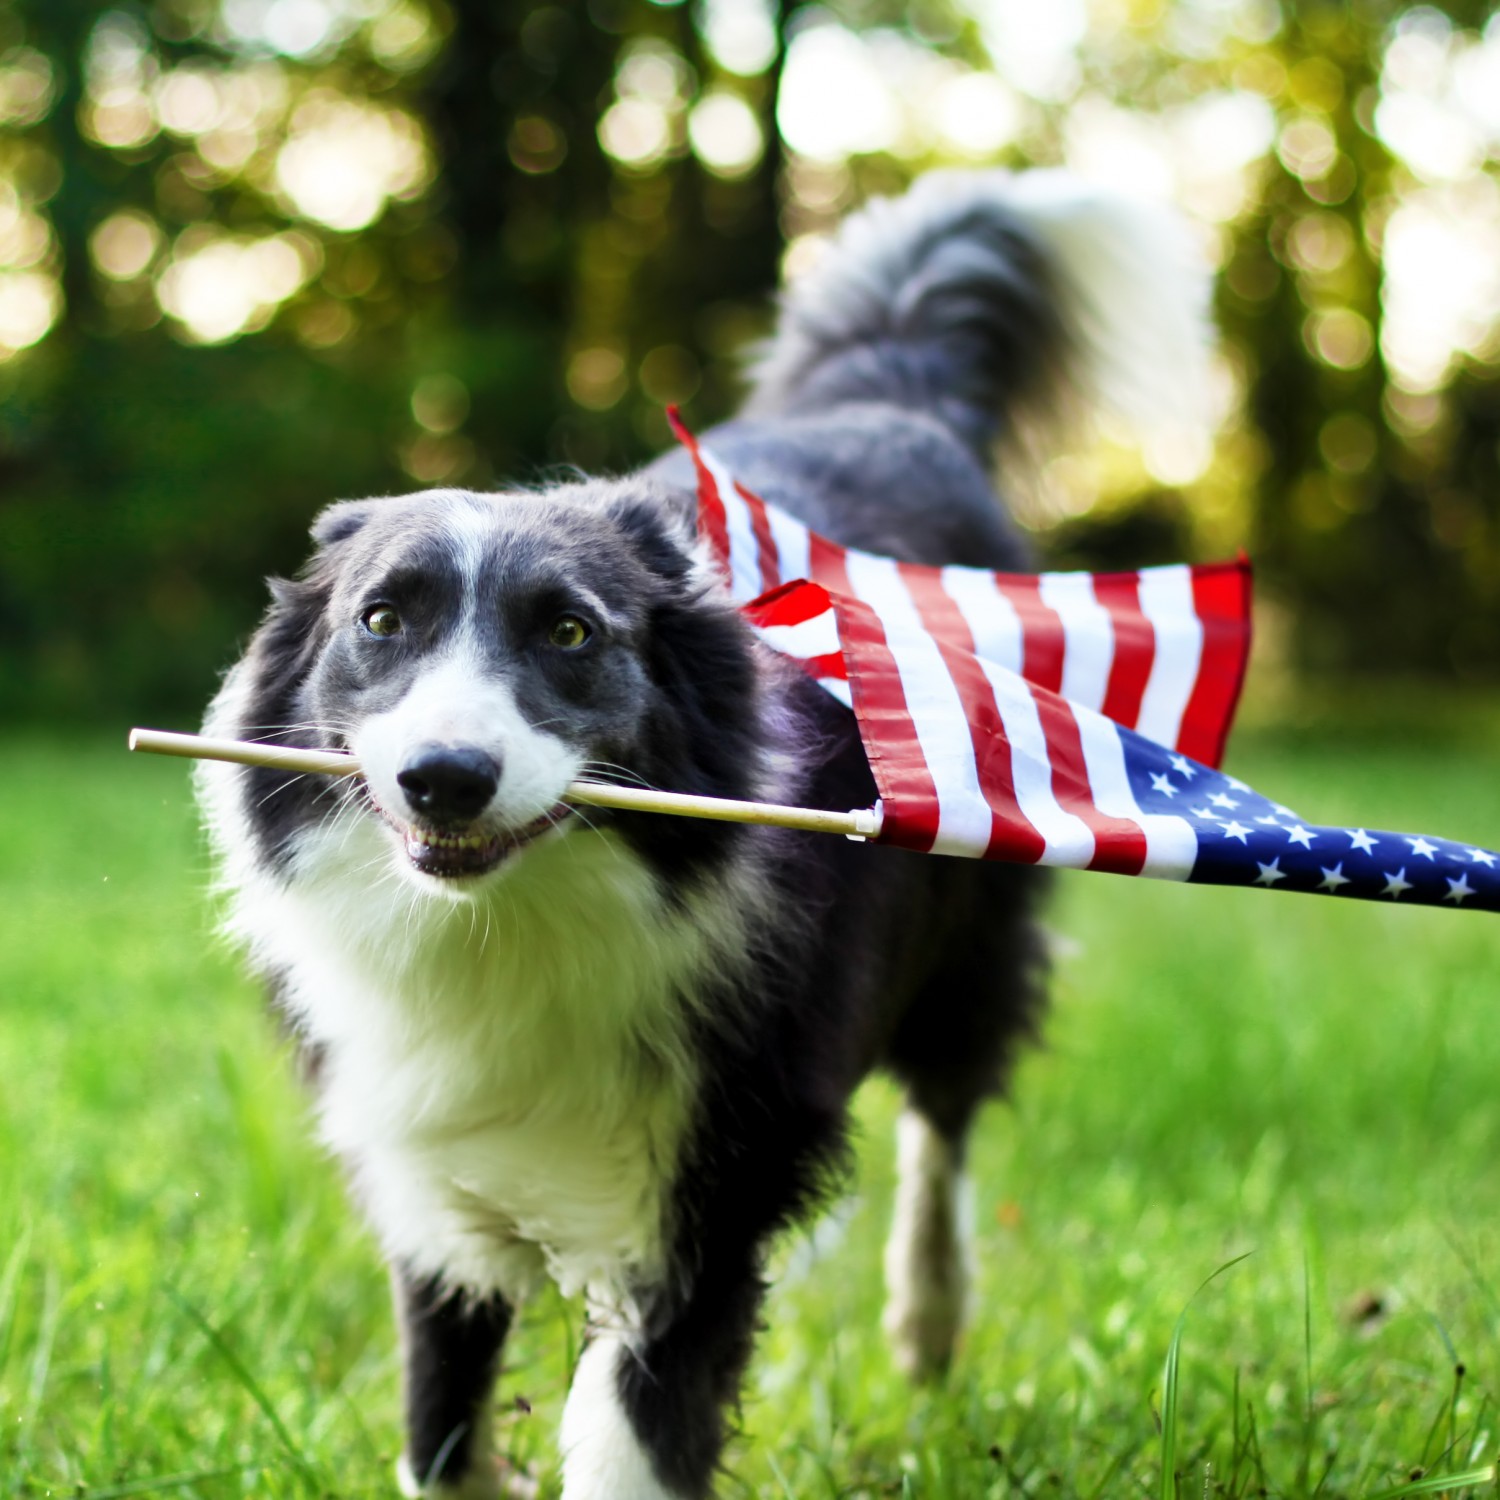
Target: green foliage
x=188 y=1306
x=250 y=263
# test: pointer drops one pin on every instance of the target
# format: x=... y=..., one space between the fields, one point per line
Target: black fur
x=451 y=1356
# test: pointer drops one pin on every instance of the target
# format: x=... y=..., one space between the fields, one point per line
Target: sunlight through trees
x=255 y=254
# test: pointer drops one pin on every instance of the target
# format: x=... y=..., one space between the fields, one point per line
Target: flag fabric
x=1065 y=719
x=1161 y=650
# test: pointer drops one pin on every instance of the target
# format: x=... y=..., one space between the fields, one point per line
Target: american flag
x=1066 y=719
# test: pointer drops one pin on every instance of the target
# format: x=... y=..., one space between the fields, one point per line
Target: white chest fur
x=508 y=1077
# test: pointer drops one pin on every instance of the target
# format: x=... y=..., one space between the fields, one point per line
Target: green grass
x=188 y=1307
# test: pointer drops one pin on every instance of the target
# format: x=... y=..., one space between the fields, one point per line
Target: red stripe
x=1011 y=834
x=792 y=604
x=1135 y=646
x=1043 y=640
x=795 y=604
x=765 y=543
x=900 y=769
x=713 y=523
x=1119 y=843
x=834 y=666
x=1221 y=595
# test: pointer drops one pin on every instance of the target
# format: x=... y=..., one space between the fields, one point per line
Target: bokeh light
x=636 y=132
x=440 y=402
x=1441 y=294
x=834 y=99
x=30 y=303
x=1034 y=47
x=597 y=379
x=978 y=114
x=125 y=244
x=218 y=286
x=740 y=35
x=345 y=159
x=27 y=86
x=644 y=125
x=294 y=28
x=725 y=134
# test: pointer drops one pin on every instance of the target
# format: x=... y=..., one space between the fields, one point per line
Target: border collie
x=615 y=1049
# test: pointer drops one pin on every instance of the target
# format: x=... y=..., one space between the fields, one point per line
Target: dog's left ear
x=338 y=522
x=662 y=523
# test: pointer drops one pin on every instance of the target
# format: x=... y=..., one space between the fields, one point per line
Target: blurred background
x=259 y=254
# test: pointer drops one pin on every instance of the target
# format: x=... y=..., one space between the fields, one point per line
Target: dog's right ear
x=338 y=522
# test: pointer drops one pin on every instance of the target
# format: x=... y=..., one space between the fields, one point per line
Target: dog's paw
x=495 y=1479
x=923 y=1329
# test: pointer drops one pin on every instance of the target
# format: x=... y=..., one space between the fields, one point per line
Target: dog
x=617 y=1049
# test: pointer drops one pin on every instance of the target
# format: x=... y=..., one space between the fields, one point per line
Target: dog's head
x=479 y=652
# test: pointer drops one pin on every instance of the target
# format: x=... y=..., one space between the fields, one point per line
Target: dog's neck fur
x=508 y=1075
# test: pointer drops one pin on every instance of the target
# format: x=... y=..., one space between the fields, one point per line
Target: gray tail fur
x=999 y=303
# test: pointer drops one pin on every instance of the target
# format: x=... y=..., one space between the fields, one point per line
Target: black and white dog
x=618 y=1050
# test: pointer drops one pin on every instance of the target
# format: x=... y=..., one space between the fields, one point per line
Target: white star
x=1334 y=878
x=1184 y=767
x=1269 y=874
x=1270 y=820
x=1458 y=889
x=1300 y=835
x=1481 y=856
x=1159 y=783
x=1420 y=846
x=1361 y=840
x=1239 y=786
x=1203 y=812
x=1220 y=800
x=1234 y=830
x=1395 y=884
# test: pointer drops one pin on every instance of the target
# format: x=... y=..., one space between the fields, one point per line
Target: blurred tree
x=256 y=254
x=288 y=265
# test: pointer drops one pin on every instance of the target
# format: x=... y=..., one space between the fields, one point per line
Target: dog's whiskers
x=616 y=775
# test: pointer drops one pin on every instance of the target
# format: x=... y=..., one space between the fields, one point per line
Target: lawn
x=188 y=1307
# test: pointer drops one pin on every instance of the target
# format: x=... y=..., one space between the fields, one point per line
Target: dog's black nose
x=449 y=783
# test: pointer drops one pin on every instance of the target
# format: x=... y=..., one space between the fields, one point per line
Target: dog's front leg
x=647 y=1415
x=451 y=1346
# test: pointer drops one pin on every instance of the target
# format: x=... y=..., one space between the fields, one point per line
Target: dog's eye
x=568 y=632
x=382 y=620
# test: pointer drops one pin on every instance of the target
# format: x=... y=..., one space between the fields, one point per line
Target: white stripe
x=818 y=636
x=1167 y=601
x=839 y=688
x=1069 y=840
x=1171 y=843
x=744 y=550
x=793 y=548
x=1088 y=636
x=990 y=616
x=933 y=702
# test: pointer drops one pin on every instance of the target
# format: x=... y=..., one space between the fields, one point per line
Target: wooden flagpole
x=860 y=823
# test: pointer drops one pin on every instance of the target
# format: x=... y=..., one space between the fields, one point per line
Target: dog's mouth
x=456 y=853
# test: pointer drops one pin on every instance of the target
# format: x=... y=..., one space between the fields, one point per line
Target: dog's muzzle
x=448 y=790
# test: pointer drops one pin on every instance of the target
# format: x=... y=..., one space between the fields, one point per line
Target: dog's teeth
x=432 y=840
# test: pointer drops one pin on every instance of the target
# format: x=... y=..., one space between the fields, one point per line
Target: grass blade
x=168 y=1482
x=10 y=1280
x=248 y=1381
x=786 y=1489
x=1433 y=1484
x=1169 y=1385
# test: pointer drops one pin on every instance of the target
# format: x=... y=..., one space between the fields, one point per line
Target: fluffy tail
x=999 y=302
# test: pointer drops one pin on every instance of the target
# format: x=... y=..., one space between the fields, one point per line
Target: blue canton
x=1245 y=839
